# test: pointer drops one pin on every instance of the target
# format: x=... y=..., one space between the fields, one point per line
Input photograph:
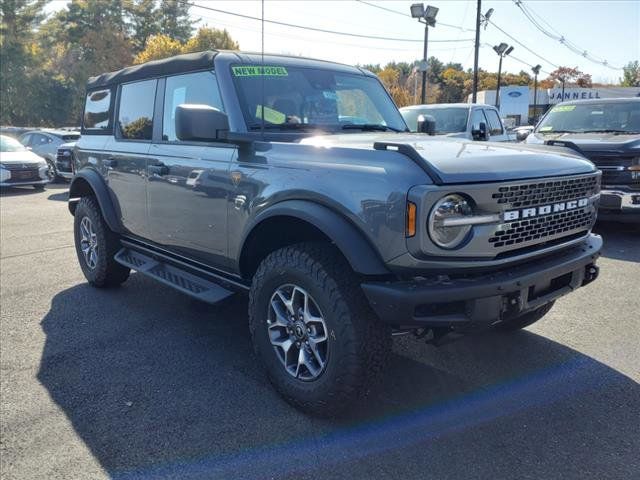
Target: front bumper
x=619 y=202
x=26 y=182
x=465 y=303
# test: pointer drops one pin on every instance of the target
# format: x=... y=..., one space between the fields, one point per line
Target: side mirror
x=427 y=124
x=479 y=132
x=521 y=135
x=200 y=123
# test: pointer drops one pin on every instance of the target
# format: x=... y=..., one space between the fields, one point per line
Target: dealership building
x=518 y=104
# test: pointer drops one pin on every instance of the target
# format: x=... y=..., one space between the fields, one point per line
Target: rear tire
x=96 y=246
x=356 y=344
x=525 y=320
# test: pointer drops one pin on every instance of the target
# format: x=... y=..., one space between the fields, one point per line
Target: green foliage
x=45 y=62
x=631 y=74
x=174 y=20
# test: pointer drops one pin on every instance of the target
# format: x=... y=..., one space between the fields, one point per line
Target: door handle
x=158 y=169
x=110 y=163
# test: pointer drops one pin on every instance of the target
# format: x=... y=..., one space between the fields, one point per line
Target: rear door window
x=97 y=110
x=135 y=111
x=198 y=88
x=494 y=122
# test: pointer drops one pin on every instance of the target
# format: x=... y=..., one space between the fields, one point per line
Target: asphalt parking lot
x=143 y=382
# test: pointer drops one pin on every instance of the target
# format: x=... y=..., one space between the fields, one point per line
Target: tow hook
x=590 y=274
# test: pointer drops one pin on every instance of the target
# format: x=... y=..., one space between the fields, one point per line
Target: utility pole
x=474 y=95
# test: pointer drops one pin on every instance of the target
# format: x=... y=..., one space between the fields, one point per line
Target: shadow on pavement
x=621 y=240
x=160 y=386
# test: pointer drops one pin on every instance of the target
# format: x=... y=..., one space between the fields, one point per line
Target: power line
x=391 y=10
x=334 y=42
x=522 y=44
x=530 y=15
x=305 y=27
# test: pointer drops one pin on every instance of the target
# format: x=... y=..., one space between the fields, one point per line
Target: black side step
x=193 y=285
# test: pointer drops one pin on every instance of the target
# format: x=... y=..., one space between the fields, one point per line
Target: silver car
x=45 y=143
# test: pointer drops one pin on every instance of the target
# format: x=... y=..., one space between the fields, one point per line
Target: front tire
x=525 y=320
x=313 y=330
x=96 y=246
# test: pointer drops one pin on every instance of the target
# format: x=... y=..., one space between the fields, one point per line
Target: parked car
x=19 y=166
x=64 y=160
x=46 y=142
x=607 y=132
x=342 y=230
x=15 y=132
x=460 y=120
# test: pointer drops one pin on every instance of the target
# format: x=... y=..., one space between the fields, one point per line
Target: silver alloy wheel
x=88 y=243
x=297 y=332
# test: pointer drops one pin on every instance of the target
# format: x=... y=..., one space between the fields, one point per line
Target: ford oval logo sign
x=515 y=94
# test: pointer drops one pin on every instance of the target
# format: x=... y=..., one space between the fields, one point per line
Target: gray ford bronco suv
x=297 y=181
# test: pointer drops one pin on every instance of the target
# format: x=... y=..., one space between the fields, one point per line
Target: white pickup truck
x=460 y=120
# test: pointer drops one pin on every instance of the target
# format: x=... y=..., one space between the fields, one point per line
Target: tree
x=174 y=20
x=18 y=20
x=390 y=77
x=570 y=76
x=453 y=83
x=210 y=39
x=157 y=47
x=631 y=75
x=144 y=20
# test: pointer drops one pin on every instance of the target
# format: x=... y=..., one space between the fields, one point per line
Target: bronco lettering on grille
x=544 y=209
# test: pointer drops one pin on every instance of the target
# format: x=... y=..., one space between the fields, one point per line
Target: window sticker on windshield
x=564 y=108
x=328 y=94
x=546 y=128
x=597 y=112
x=257 y=71
x=271 y=115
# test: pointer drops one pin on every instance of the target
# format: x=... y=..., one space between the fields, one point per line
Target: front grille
x=542 y=193
x=24 y=175
x=20 y=166
x=543 y=227
x=64 y=158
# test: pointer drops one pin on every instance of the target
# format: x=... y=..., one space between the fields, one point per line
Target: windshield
x=448 y=120
x=306 y=98
x=8 y=144
x=593 y=117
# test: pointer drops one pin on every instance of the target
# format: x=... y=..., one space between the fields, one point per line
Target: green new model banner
x=259 y=70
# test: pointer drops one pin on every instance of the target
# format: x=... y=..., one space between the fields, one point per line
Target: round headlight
x=443 y=228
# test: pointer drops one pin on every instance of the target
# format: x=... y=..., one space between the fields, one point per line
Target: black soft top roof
x=156 y=68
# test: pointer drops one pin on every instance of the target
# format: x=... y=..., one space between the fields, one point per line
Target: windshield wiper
x=609 y=130
x=550 y=132
x=370 y=127
x=287 y=126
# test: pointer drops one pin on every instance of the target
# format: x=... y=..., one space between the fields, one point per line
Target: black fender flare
x=99 y=189
x=358 y=251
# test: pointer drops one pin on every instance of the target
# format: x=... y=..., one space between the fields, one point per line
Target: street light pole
x=498 y=87
x=536 y=71
x=423 y=99
x=502 y=50
x=428 y=17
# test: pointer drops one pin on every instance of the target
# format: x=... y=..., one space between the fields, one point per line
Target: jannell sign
x=555 y=94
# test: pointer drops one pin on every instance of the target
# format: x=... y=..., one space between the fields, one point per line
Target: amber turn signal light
x=411 y=219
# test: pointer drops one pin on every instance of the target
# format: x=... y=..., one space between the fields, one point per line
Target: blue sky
x=606 y=29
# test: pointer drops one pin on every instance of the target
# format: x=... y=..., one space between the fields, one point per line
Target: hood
x=24 y=156
x=592 y=142
x=463 y=161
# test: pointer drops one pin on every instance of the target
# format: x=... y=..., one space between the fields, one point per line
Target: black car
x=607 y=132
